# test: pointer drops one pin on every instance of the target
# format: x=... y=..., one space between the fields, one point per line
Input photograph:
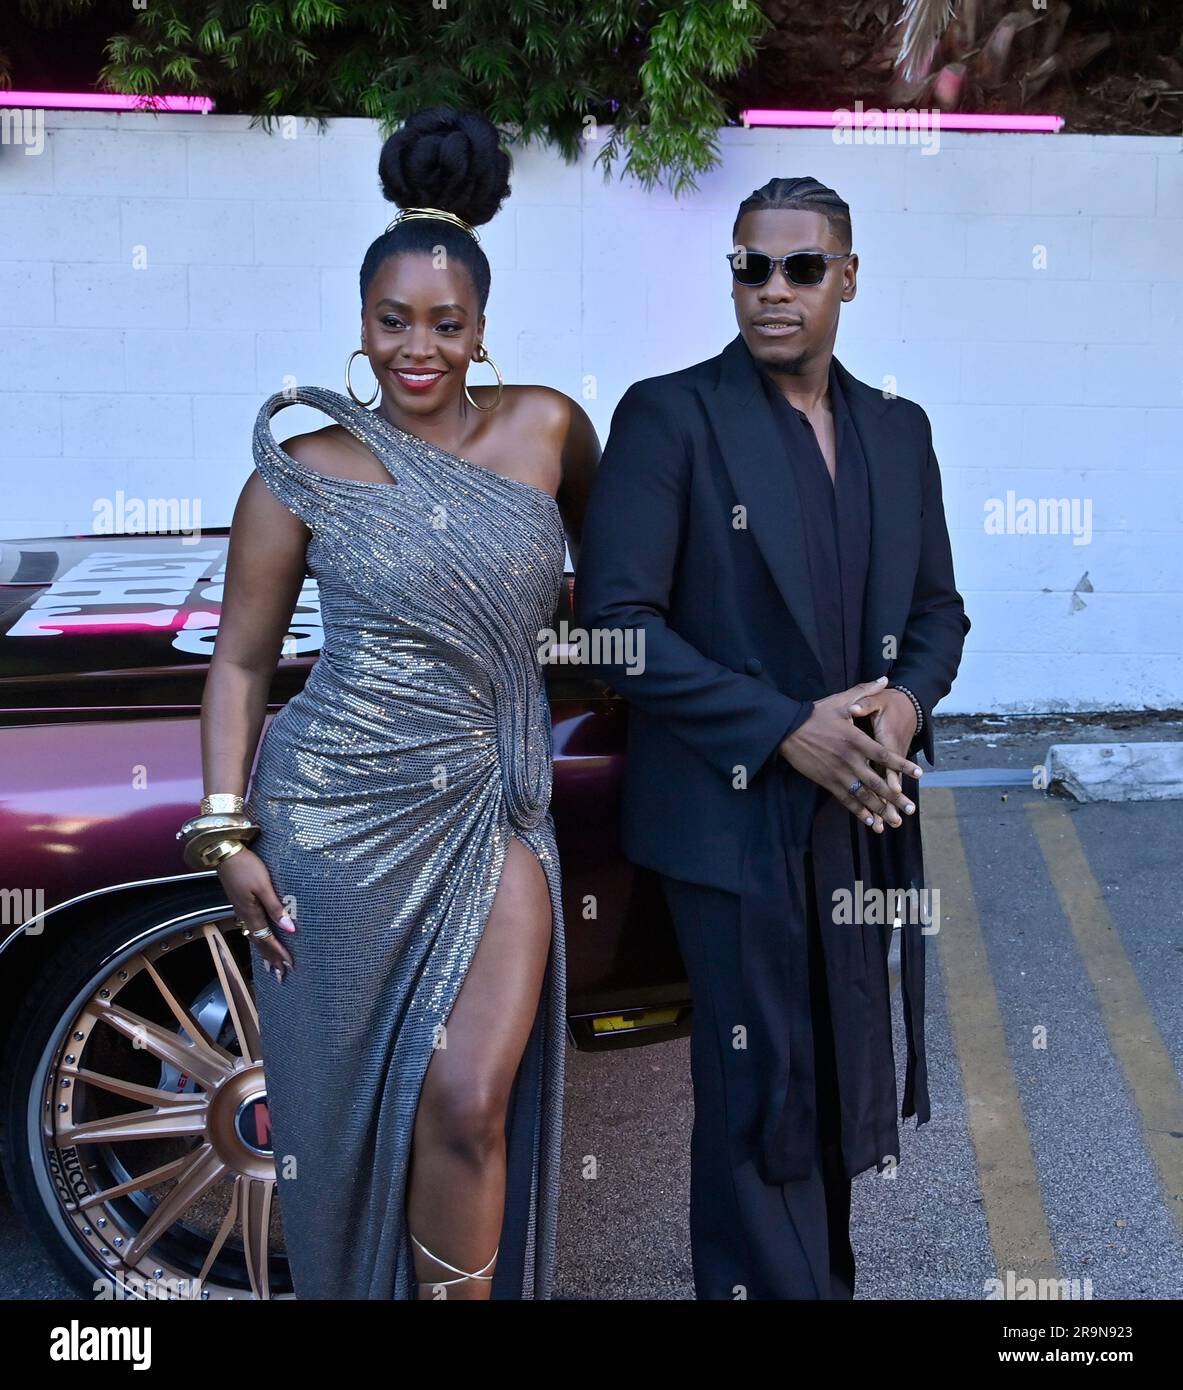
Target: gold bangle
x=218 y=818
x=215 y=821
x=221 y=803
x=202 y=833
x=224 y=849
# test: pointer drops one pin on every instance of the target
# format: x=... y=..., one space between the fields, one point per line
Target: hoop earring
x=484 y=357
x=358 y=352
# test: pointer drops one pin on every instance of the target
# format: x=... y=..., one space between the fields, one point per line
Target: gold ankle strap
x=446 y=1265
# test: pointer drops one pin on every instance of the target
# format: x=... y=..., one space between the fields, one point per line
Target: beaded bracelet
x=903 y=689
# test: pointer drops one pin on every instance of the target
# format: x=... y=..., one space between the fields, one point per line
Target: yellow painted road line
x=1129 y=1023
x=1013 y=1202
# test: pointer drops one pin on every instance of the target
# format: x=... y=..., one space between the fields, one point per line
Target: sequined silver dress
x=387 y=790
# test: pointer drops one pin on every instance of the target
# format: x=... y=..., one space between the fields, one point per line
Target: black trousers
x=750 y=1239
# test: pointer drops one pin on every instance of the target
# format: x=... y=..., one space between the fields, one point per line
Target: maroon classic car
x=134 y=1127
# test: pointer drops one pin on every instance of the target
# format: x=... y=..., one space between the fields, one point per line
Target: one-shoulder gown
x=387 y=790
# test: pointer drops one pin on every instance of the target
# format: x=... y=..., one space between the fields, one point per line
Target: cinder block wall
x=160 y=275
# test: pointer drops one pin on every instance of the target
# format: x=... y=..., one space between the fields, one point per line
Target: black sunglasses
x=800 y=267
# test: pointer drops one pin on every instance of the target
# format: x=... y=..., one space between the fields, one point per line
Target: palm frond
x=923 y=22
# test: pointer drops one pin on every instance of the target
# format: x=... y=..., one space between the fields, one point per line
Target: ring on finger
x=262 y=931
x=855 y=785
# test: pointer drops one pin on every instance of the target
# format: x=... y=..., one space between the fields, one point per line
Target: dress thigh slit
x=523 y=1119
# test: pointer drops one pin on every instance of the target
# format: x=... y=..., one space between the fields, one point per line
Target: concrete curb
x=1116 y=771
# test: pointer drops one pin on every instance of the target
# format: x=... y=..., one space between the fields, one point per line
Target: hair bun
x=441 y=158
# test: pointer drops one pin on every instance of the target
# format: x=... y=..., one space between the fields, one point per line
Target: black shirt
x=836 y=516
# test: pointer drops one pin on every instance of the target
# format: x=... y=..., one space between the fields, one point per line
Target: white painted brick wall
x=1057 y=379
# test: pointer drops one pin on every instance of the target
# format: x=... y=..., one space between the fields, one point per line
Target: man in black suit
x=772 y=532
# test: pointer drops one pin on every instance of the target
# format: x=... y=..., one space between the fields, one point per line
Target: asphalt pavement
x=1054 y=1028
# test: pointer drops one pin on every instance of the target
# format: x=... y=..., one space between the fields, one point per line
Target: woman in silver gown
x=413 y=1022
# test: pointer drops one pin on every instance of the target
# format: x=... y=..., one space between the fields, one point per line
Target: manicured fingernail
x=909 y=808
x=869 y=819
x=286 y=923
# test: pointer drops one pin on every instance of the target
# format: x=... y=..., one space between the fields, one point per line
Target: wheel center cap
x=252 y=1124
x=238 y=1123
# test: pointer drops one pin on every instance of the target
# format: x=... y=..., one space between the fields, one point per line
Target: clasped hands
x=831 y=750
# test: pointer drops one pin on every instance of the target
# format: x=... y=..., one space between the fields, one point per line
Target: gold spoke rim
x=202 y=1170
x=254 y=1211
x=149 y=1179
x=190 y=1117
x=217 y=1120
x=238 y=997
x=208 y=1066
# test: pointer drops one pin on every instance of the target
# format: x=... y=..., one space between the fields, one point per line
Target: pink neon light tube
x=896 y=119
x=106 y=101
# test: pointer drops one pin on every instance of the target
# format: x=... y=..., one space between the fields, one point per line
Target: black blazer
x=729 y=632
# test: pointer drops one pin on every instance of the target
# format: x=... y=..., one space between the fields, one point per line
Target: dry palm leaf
x=923 y=22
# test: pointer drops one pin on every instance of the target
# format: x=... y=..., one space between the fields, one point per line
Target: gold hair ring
x=411 y=214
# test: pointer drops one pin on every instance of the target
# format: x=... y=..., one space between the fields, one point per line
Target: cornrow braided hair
x=805 y=194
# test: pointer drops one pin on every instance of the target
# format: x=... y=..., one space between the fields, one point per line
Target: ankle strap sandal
x=463 y=1275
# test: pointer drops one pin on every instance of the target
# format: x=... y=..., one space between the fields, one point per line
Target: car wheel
x=135 y=1111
